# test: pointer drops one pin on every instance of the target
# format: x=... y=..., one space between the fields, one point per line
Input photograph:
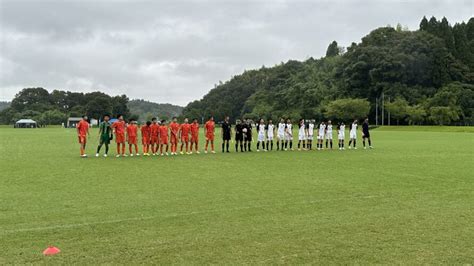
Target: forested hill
x=147 y=110
x=424 y=77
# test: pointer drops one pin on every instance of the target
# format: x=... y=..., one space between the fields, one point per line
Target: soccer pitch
x=408 y=201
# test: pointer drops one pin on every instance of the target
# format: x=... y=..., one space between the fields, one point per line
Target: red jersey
x=146 y=132
x=185 y=128
x=194 y=129
x=163 y=131
x=132 y=130
x=119 y=127
x=210 y=125
x=154 y=129
x=174 y=128
x=82 y=127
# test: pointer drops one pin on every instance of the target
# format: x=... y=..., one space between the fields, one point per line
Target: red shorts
x=164 y=141
x=145 y=141
x=82 y=139
x=155 y=140
x=132 y=139
x=210 y=137
x=194 y=138
x=185 y=139
x=174 y=139
x=119 y=138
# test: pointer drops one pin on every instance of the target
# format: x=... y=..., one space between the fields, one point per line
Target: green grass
x=408 y=201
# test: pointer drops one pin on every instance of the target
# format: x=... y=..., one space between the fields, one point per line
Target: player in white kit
x=270 y=134
x=322 y=129
x=281 y=134
x=309 y=141
x=302 y=135
x=329 y=134
x=341 y=134
x=353 y=134
x=261 y=135
x=289 y=134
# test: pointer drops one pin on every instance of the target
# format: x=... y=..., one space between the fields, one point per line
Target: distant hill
x=146 y=110
x=4 y=105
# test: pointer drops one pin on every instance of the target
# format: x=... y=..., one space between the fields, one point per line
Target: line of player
x=160 y=137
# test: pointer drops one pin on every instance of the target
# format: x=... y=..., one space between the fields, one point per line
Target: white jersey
x=341 y=133
x=270 y=129
x=302 y=132
x=289 y=132
x=353 y=131
x=328 y=131
x=261 y=132
x=281 y=130
x=322 y=128
x=310 y=129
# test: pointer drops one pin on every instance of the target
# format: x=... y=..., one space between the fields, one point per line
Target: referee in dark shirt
x=365 y=133
x=226 y=132
x=239 y=136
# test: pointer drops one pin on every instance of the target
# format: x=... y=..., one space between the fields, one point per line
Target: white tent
x=26 y=123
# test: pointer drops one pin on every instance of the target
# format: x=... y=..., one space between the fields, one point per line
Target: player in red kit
x=132 y=132
x=146 y=137
x=119 y=130
x=184 y=135
x=154 y=136
x=194 y=136
x=82 y=132
x=209 y=130
x=174 y=131
x=163 y=137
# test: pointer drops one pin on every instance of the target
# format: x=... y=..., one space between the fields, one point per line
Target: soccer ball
x=244 y=130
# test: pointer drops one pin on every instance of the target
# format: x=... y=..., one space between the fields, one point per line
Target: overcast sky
x=175 y=51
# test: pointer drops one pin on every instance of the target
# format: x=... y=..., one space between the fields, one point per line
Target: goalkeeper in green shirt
x=105 y=135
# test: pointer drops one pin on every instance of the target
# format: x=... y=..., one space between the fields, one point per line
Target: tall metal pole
x=383 y=111
x=389 y=112
x=376 y=111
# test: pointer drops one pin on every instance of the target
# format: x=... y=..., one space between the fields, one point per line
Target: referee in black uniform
x=366 y=133
x=239 y=136
x=226 y=132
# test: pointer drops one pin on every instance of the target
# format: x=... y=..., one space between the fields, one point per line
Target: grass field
x=408 y=201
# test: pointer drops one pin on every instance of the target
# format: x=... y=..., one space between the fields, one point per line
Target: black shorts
x=226 y=136
x=248 y=137
x=365 y=135
x=239 y=137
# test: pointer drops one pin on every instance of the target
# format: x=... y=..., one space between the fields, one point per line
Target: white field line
x=144 y=218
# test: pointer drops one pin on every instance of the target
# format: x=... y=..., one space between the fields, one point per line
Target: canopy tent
x=26 y=123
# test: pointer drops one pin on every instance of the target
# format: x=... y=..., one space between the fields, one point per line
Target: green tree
x=347 y=109
x=443 y=115
x=416 y=114
x=99 y=106
x=52 y=117
x=397 y=108
x=333 y=49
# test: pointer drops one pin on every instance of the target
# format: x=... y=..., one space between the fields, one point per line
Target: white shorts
x=301 y=137
x=329 y=136
x=281 y=136
x=270 y=137
x=341 y=136
x=261 y=137
x=321 y=136
x=353 y=135
x=289 y=137
x=310 y=137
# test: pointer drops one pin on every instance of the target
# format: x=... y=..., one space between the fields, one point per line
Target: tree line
x=55 y=107
x=392 y=75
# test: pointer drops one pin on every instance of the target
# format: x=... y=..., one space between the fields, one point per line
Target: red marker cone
x=51 y=251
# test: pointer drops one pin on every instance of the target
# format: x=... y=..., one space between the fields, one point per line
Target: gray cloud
x=175 y=51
